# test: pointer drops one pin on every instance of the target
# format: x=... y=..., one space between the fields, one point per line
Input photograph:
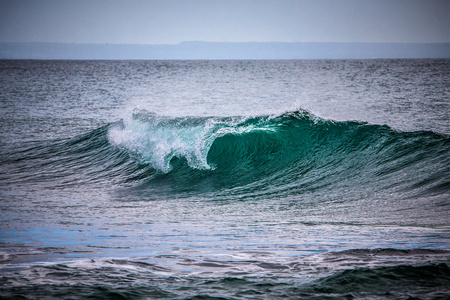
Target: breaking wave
x=295 y=152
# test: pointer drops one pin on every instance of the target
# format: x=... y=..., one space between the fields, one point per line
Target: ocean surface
x=308 y=179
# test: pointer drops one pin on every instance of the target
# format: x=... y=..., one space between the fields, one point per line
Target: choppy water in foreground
x=225 y=179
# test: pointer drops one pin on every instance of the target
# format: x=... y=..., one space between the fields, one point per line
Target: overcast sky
x=175 y=21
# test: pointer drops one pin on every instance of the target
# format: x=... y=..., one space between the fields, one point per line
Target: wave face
x=295 y=152
x=269 y=156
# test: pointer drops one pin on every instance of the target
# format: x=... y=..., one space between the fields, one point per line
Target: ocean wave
x=296 y=151
x=292 y=153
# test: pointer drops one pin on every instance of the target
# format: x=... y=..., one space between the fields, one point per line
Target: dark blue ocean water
x=225 y=179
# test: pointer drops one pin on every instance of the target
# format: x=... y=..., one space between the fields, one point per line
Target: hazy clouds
x=174 y=21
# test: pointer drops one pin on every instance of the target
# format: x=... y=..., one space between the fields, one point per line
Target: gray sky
x=175 y=21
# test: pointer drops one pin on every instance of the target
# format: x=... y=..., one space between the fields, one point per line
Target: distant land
x=218 y=50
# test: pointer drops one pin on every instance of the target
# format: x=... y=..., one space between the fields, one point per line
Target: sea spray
x=157 y=140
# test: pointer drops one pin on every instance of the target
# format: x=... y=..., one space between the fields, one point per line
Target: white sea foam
x=156 y=141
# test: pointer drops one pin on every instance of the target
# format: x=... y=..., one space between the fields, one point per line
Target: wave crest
x=202 y=142
x=295 y=151
x=268 y=156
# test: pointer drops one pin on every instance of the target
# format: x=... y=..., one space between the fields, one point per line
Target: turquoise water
x=225 y=179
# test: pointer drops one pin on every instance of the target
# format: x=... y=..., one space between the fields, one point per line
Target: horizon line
x=219 y=42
